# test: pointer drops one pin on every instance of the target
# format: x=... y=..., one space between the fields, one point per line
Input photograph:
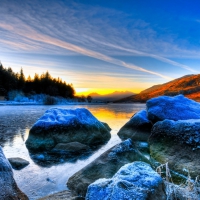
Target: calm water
x=37 y=181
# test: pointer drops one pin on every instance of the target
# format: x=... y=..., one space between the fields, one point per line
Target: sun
x=81 y=90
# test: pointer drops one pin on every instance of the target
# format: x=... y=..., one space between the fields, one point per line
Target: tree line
x=43 y=84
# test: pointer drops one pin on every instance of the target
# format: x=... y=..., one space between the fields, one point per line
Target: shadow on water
x=49 y=159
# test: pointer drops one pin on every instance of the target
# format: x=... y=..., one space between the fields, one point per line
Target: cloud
x=97 y=32
x=28 y=32
x=166 y=60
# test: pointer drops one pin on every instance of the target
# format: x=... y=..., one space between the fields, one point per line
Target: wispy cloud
x=69 y=28
x=30 y=33
x=166 y=60
x=77 y=23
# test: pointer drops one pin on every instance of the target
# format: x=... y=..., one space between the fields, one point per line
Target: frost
x=185 y=131
x=140 y=117
x=173 y=108
x=56 y=116
x=122 y=147
x=133 y=181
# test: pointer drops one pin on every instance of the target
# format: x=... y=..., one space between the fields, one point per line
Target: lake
x=36 y=180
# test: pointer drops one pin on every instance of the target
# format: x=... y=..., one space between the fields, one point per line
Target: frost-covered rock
x=136 y=180
x=183 y=131
x=173 y=108
x=18 y=163
x=178 y=143
x=104 y=166
x=64 y=126
x=137 y=128
x=8 y=186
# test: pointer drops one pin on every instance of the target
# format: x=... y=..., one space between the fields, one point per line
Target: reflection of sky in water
x=37 y=181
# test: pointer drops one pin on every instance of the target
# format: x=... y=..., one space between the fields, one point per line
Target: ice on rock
x=65 y=126
x=172 y=108
x=135 y=180
x=184 y=131
x=56 y=116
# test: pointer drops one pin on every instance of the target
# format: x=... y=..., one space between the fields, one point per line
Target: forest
x=40 y=84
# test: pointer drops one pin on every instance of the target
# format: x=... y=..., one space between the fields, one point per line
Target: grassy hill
x=188 y=85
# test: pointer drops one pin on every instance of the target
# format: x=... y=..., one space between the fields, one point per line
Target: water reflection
x=15 y=123
x=48 y=159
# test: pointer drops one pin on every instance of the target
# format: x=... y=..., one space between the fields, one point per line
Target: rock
x=178 y=143
x=8 y=187
x=65 y=126
x=18 y=163
x=136 y=180
x=63 y=195
x=70 y=148
x=172 y=108
x=137 y=128
x=107 y=126
x=104 y=166
x=182 y=131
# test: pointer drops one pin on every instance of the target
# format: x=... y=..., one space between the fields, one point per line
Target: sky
x=102 y=45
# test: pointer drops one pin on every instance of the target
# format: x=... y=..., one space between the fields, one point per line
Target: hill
x=112 y=96
x=188 y=85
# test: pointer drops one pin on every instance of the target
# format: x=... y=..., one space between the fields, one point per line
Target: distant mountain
x=188 y=85
x=111 y=97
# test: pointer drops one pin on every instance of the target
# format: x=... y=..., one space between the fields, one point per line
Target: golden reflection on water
x=108 y=114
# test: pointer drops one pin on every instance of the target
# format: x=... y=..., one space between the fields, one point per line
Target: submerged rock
x=105 y=166
x=65 y=126
x=63 y=195
x=136 y=180
x=172 y=108
x=178 y=143
x=137 y=128
x=70 y=148
x=8 y=186
x=18 y=163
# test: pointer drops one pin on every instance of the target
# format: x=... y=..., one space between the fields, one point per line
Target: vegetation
x=44 y=84
x=190 y=190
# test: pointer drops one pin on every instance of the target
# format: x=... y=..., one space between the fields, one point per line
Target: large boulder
x=137 y=128
x=182 y=131
x=65 y=126
x=8 y=187
x=173 y=108
x=136 y=180
x=178 y=143
x=104 y=166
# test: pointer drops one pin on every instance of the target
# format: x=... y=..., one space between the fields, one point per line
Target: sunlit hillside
x=187 y=85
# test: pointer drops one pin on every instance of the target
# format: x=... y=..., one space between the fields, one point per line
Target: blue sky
x=102 y=45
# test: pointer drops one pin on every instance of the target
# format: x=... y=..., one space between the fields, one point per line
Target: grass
x=190 y=190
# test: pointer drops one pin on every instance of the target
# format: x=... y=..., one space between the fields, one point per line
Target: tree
x=82 y=98
x=21 y=81
x=89 y=99
x=44 y=84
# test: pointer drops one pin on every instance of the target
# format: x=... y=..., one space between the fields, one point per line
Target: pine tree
x=21 y=80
